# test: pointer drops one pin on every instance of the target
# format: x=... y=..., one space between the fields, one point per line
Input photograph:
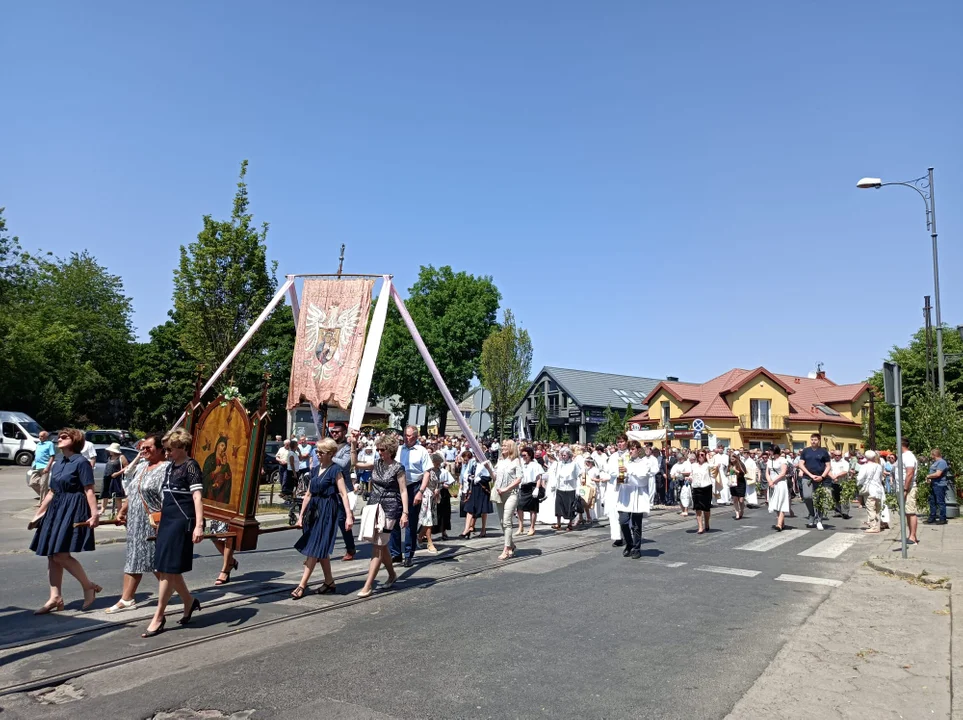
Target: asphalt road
x=564 y=631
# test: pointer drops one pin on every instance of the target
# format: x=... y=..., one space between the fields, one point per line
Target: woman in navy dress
x=181 y=527
x=70 y=500
x=319 y=518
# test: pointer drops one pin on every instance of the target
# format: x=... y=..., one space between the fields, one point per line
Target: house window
x=705 y=440
x=798 y=446
x=759 y=409
x=685 y=443
x=839 y=446
x=666 y=413
x=852 y=448
x=759 y=444
x=553 y=404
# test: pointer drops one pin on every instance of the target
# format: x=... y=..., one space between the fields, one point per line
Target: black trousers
x=631 y=526
x=346 y=535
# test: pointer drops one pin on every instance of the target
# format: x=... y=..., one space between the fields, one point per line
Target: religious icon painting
x=222 y=438
x=330 y=342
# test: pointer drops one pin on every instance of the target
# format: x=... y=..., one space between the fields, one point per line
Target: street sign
x=680 y=426
x=697 y=436
x=417 y=415
x=482 y=399
x=480 y=421
x=892 y=383
x=698 y=425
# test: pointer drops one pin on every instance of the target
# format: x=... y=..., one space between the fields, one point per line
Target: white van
x=19 y=435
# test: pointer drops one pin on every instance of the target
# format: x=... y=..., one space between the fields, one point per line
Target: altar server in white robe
x=752 y=480
x=635 y=497
x=610 y=477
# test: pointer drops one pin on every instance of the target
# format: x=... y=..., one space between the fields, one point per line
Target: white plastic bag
x=685 y=497
x=884 y=515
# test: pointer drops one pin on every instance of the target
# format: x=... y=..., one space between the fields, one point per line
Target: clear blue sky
x=620 y=168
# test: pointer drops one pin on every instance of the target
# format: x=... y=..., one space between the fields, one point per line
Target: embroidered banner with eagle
x=331 y=330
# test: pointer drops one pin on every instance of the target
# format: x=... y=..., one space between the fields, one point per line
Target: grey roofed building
x=575 y=400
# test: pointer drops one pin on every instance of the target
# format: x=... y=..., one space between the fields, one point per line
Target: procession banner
x=331 y=329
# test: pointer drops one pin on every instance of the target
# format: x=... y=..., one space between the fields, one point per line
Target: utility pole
x=928 y=324
x=872 y=418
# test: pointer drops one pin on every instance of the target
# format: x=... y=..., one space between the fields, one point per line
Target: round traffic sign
x=698 y=425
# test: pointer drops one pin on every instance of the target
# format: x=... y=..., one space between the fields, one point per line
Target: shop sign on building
x=680 y=426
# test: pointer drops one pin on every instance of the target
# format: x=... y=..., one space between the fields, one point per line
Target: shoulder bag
x=153 y=518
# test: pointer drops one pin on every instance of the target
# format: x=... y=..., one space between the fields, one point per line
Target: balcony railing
x=773 y=422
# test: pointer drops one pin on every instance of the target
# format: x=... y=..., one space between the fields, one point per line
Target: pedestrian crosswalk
x=829 y=548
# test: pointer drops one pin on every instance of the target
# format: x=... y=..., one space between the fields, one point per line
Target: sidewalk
x=888 y=643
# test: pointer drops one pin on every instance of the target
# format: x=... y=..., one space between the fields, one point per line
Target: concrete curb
x=923 y=577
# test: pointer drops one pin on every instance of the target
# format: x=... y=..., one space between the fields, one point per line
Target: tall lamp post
x=924 y=186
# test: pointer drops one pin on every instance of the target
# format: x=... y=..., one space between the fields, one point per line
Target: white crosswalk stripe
x=833 y=546
x=809 y=580
x=764 y=544
x=728 y=571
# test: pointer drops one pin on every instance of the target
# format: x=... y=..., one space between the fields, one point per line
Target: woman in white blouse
x=508 y=476
x=564 y=479
x=777 y=470
x=870 y=483
x=529 y=489
x=701 y=483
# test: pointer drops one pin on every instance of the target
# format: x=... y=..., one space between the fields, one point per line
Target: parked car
x=271 y=470
x=19 y=435
x=106 y=437
x=102 y=457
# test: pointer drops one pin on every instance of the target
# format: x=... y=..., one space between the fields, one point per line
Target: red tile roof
x=804 y=393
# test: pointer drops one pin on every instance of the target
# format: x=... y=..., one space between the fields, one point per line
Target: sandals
x=120 y=606
x=227 y=575
x=298 y=592
x=93 y=589
x=556 y=527
x=531 y=532
x=56 y=606
x=326 y=589
x=483 y=533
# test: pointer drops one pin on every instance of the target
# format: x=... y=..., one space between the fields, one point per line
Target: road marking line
x=809 y=580
x=765 y=544
x=833 y=546
x=728 y=571
x=663 y=563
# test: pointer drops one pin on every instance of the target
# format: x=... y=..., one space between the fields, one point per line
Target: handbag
x=369 y=522
x=153 y=518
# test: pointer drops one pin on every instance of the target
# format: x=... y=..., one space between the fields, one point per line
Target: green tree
x=454 y=313
x=65 y=329
x=932 y=421
x=912 y=361
x=541 y=419
x=506 y=363
x=612 y=426
x=221 y=285
x=162 y=381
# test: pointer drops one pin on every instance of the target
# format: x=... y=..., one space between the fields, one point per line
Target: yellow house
x=755 y=409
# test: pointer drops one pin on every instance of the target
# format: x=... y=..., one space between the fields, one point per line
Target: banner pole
x=362 y=388
x=433 y=369
x=244 y=340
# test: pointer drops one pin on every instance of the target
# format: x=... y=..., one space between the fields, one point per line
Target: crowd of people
x=408 y=484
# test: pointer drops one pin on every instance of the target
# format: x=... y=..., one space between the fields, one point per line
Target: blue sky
x=657 y=188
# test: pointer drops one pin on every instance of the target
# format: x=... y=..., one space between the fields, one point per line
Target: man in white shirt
x=838 y=471
x=90 y=453
x=909 y=491
x=416 y=461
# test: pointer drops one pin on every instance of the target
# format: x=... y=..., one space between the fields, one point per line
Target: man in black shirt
x=815 y=469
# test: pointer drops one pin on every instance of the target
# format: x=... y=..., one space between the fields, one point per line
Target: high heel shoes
x=156 y=631
x=49 y=607
x=196 y=605
x=93 y=590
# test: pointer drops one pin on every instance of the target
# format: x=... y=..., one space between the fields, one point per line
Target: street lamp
x=924 y=186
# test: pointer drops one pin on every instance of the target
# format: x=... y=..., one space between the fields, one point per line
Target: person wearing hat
x=113 y=475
